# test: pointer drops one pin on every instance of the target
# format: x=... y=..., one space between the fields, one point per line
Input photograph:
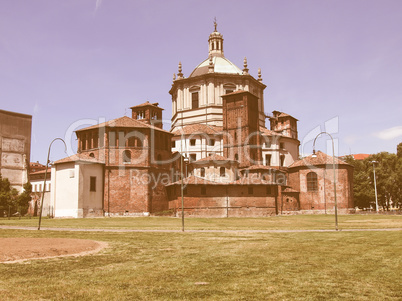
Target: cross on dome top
x=215 y=42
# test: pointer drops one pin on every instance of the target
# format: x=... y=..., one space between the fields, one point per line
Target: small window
x=281 y=145
x=236 y=157
x=193 y=157
x=92 y=155
x=202 y=172
x=203 y=190
x=268 y=160
x=223 y=172
x=194 y=100
x=40 y=187
x=173 y=143
x=250 y=190
x=49 y=186
x=92 y=184
x=126 y=156
x=211 y=142
x=312 y=182
x=192 y=142
x=228 y=91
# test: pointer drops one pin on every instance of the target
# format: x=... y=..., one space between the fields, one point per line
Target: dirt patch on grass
x=18 y=249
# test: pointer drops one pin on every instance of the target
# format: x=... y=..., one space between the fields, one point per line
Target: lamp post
x=333 y=167
x=44 y=183
x=375 y=186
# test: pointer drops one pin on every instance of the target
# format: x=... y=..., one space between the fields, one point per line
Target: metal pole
x=182 y=176
x=333 y=166
x=325 y=196
x=44 y=183
x=375 y=188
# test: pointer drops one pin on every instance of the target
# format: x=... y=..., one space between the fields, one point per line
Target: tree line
x=11 y=201
x=388 y=172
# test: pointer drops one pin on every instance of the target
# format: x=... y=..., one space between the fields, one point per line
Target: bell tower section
x=242 y=140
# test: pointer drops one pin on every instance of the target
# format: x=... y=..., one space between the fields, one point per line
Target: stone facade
x=15 y=147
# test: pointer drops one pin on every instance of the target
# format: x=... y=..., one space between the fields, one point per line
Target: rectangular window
x=112 y=139
x=122 y=141
x=49 y=186
x=282 y=160
x=40 y=187
x=281 y=145
x=268 y=160
x=95 y=138
x=193 y=157
x=192 y=142
x=92 y=184
x=194 y=100
x=211 y=142
x=174 y=144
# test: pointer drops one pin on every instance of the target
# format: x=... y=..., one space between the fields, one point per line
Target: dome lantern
x=215 y=42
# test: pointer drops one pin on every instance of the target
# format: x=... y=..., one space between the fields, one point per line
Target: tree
x=363 y=190
x=24 y=198
x=388 y=171
x=11 y=201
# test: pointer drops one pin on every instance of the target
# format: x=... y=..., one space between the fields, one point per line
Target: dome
x=221 y=65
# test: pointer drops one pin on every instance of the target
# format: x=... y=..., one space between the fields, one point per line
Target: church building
x=218 y=159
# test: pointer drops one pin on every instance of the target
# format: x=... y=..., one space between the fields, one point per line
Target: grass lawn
x=215 y=266
x=292 y=222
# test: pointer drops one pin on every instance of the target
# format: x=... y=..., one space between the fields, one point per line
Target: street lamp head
x=314 y=154
x=374 y=162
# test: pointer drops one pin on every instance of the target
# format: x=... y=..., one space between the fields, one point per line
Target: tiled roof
x=122 y=122
x=198 y=129
x=360 y=156
x=213 y=157
x=321 y=159
x=155 y=104
x=79 y=157
x=264 y=167
x=288 y=189
x=194 y=180
x=267 y=132
x=41 y=171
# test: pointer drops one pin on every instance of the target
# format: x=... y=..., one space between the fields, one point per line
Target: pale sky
x=334 y=65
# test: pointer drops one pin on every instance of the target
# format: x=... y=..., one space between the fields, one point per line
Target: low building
x=37 y=179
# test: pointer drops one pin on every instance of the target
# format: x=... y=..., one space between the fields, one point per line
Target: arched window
x=312 y=183
x=126 y=156
x=202 y=172
x=223 y=172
